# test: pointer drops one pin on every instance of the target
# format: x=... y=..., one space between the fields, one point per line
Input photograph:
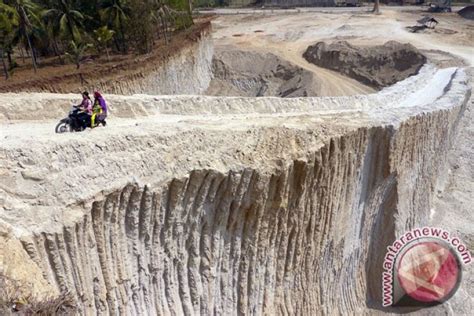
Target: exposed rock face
x=244 y=73
x=267 y=206
x=377 y=66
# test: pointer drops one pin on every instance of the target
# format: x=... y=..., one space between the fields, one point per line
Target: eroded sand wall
x=187 y=72
x=273 y=234
x=288 y=241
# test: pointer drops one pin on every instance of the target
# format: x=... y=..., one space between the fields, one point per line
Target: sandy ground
x=449 y=44
x=289 y=33
x=288 y=36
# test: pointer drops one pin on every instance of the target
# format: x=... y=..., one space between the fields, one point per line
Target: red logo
x=429 y=272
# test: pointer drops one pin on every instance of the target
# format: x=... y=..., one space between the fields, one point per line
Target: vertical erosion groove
x=304 y=238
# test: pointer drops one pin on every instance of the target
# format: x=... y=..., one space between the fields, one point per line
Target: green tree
x=182 y=13
x=64 y=17
x=53 y=36
x=76 y=52
x=8 y=21
x=90 y=10
x=115 y=14
x=161 y=17
x=27 y=14
x=102 y=37
x=141 y=25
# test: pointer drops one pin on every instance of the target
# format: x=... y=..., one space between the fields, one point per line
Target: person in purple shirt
x=99 y=109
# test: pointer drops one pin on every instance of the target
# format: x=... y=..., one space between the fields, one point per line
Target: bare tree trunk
x=376 y=7
x=25 y=18
x=158 y=28
x=122 y=32
x=190 y=7
x=165 y=29
x=35 y=55
x=22 y=53
x=56 y=52
x=33 y=58
x=5 y=70
x=9 y=57
x=107 y=52
x=117 y=45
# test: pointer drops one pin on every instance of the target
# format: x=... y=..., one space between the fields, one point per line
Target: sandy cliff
x=226 y=204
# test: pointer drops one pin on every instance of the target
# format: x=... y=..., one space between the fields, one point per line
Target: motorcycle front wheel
x=63 y=127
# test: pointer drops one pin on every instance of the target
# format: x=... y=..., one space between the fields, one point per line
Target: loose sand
x=377 y=66
x=256 y=74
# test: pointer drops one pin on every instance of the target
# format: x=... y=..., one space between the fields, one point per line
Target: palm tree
x=53 y=35
x=26 y=12
x=76 y=52
x=8 y=21
x=115 y=14
x=102 y=37
x=160 y=16
x=65 y=19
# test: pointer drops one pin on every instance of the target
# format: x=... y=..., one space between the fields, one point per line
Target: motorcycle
x=76 y=121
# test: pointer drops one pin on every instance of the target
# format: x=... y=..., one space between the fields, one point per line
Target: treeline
x=68 y=28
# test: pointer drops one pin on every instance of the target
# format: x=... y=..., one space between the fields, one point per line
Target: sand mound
x=252 y=74
x=377 y=66
x=467 y=12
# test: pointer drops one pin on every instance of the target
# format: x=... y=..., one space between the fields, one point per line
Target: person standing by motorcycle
x=99 y=110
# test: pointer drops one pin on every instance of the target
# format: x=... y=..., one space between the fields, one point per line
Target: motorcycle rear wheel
x=62 y=127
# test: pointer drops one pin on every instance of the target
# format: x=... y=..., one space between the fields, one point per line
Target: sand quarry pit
x=254 y=74
x=272 y=185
